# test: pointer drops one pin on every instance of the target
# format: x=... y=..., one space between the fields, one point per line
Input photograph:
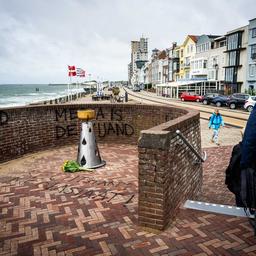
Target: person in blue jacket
x=215 y=122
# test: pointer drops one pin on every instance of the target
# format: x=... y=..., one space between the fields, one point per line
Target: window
x=203 y=47
x=254 y=32
x=200 y=64
x=188 y=49
x=233 y=41
x=252 y=70
x=207 y=46
x=205 y=64
x=196 y=64
x=191 y=48
x=253 y=51
x=181 y=53
x=232 y=58
x=192 y=65
x=187 y=61
x=222 y=43
x=229 y=73
x=214 y=61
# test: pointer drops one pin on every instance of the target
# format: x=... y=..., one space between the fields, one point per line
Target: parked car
x=249 y=104
x=190 y=96
x=207 y=98
x=220 y=100
x=136 y=89
x=237 y=100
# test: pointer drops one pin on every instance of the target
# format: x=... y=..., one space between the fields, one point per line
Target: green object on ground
x=115 y=91
x=73 y=166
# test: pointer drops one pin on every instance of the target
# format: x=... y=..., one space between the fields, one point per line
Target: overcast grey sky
x=39 y=38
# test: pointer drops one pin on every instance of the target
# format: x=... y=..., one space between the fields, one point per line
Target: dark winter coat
x=248 y=158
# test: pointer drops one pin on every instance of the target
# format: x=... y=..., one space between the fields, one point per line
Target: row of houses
x=223 y=63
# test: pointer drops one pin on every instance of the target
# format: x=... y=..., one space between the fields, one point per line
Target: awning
x=180 y=83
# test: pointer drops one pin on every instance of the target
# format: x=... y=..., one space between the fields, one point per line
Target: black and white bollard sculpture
x=88 y=151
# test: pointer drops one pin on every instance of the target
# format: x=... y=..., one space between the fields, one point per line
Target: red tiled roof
x=162 y=55
x=193 y=37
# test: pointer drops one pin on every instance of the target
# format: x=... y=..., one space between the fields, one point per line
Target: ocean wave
x=31 y=94
x=21 y=99
x=50 y=93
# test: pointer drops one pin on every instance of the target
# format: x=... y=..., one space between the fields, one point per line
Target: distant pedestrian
x=215 y=122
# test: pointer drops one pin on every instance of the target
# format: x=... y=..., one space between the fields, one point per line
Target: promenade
x=236 y=118
x=47 y=212
x=44 y=211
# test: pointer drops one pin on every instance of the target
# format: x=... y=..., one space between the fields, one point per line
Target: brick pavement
x=44 y=211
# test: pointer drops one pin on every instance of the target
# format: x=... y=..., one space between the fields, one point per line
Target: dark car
x=237 y=100
x=136 y=89
x=207 y=98
x=220 y=100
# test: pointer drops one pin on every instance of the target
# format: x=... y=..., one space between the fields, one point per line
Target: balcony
x=186 y=65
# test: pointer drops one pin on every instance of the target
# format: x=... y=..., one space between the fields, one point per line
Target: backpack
x=248 y=194
x=233 y=171
x=242 y=183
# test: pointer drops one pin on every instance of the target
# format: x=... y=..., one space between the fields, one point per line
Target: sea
x=12 y=95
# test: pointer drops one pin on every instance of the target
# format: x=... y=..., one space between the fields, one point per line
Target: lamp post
x=90 y=83
x=216 y=67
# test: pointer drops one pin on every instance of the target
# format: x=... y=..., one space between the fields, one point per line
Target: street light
x=90 y=83
x=216 y=67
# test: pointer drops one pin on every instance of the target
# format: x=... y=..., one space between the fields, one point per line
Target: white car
x=249 y=104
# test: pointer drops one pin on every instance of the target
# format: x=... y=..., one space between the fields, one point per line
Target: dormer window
x=254 y=32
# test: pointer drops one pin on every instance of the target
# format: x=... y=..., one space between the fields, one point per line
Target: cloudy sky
x=39 y=38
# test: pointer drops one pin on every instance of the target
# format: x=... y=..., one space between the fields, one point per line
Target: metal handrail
x=178 y=132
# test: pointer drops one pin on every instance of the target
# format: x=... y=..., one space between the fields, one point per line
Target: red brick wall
x=168 y=172
x=30 y=129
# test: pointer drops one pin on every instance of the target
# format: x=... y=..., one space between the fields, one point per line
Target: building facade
x=200 y=61
x=171 y=58
x=251 y=57
x=236 y=60
x=139 y=56
x=205 y=63
x=176 y=63
x=189 y=52
x=217 y=60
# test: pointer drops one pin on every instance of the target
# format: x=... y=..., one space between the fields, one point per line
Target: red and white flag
x=80 y=72
x=71 y=71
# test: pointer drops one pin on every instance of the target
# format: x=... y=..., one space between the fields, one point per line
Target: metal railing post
x=178 y=132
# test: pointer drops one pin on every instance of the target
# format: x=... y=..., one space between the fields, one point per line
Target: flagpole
x=90 y=83
x=68 y=81
x=70 y=88
x=76 y=87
